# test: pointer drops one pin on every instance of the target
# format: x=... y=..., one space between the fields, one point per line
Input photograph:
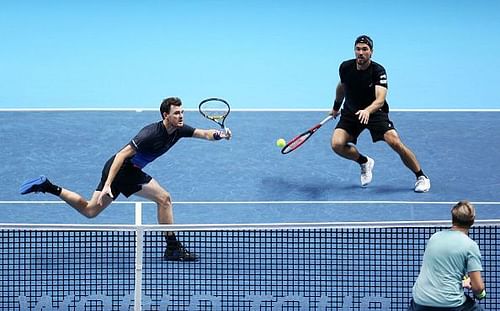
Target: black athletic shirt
x=359 y=85
x=153 y=141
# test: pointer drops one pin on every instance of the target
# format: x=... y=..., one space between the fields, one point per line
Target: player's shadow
x=301 y=190
x=378 y=188
x=321 y=189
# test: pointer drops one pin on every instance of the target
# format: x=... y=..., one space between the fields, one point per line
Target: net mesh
x=65 y=270
x=324 y=268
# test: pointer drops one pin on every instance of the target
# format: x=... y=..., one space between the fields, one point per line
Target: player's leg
x=341 y=145
x=42 y=184
x=154 y=191
x=92 y=208
x=89 y=209
x=409 y=159
x=391 y=137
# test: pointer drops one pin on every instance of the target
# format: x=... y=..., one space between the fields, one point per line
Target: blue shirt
x=154 y=140
x=449 y=255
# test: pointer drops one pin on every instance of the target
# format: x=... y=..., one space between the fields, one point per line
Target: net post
x=138 y=257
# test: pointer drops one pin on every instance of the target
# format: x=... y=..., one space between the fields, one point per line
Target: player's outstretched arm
x=213 y=134
x=477 y=284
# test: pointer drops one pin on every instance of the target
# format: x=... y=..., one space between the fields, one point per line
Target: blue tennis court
x=247 y=179
x=311 y=265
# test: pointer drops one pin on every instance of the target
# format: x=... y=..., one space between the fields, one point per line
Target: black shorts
x=469 y=305
x=128 y=181
x=378 y=124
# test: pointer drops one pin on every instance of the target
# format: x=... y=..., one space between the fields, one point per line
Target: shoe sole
x=180 y=259
x=366 y=185
x=27 y=185
x=424 y=191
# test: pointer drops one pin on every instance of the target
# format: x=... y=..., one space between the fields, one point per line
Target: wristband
x=217 y=135
x=481 y=295
x=337 y=105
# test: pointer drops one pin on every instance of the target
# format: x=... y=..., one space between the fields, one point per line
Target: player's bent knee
x=394 y=142
x=340 y=141
x=338 y=146
x=90 y=212
x=165 y=200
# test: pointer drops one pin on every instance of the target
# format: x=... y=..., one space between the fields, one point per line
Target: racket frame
x=219 y=120
x=286 y=149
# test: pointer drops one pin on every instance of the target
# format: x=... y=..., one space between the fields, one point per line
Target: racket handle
x=328 y=118
x=223 y=133
x=227 y=133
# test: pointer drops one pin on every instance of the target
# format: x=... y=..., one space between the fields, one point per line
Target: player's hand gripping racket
x=217 y=110
x=302 y=138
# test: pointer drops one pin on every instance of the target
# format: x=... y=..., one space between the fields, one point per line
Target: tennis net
x=350 y=266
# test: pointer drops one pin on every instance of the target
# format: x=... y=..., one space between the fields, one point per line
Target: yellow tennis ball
x=281 y=143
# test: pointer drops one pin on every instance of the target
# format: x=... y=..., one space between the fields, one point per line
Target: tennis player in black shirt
x=123 y=172
x=361 y=93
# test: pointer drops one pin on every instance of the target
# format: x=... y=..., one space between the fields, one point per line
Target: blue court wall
x=255 y=54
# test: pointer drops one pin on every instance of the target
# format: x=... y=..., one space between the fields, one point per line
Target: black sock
x=362 y=159
x=170 y=238
x=420 y=173
x=52 y=189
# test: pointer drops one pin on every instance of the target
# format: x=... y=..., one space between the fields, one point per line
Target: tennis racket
x=215 y=109
x=302 y=138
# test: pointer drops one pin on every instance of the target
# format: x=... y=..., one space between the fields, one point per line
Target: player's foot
x=366 y=172
x=39 y=184
x=423 y=184
x=177 y=252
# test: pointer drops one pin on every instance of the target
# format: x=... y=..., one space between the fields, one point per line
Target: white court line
x=258 y=226
x=243 y=109
x=275 y=202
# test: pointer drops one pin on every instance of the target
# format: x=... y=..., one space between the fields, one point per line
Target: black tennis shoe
x=177 y=252
x=39 y=184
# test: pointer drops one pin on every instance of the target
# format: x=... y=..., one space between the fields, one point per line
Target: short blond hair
x=463 y=214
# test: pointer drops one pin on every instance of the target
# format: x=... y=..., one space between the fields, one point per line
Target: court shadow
x=392 y=189
x=303 y=190
x=384 y=189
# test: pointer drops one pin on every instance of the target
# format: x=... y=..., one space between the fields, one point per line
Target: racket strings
x=214 y=111
x=216 y=117
x=294 y=144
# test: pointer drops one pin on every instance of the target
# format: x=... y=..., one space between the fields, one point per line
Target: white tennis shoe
x=423 y=184
x=366 y=172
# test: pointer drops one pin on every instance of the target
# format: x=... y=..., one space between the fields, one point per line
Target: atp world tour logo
x=206 y=302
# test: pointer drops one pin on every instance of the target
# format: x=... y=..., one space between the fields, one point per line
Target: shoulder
x=472 y=244
x=347 y=68
x=151 y=128
x=377 y=67
x=351 y=63
x=186 y=130
x=446 y=235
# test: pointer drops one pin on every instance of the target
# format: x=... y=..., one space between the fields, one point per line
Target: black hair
x=167 y=103
x=364 y=39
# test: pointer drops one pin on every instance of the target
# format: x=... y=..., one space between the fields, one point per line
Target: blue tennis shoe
x=38 y=184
